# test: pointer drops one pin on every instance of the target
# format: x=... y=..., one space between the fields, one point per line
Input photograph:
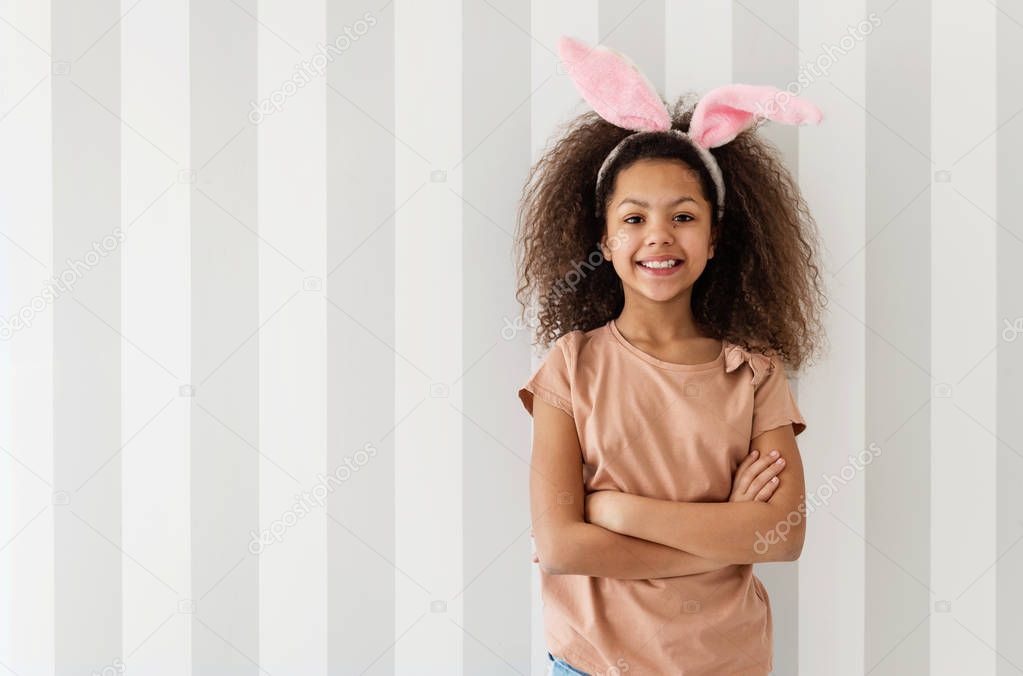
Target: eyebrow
x=646 y=205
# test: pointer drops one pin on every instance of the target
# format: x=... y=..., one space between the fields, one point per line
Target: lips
x=659 y=258
x=678 y=261
x=661 y=272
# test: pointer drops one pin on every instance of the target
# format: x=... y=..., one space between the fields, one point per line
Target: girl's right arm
x=565 y=543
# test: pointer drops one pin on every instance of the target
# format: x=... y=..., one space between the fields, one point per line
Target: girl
x=673 y=262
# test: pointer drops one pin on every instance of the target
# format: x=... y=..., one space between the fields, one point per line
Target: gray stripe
x=496 y=590
x=636 y=30
x=361 y=546
x=86 y=344
x=898 y=345
x=765 y=50
x=1009 y=308
x=225 y=314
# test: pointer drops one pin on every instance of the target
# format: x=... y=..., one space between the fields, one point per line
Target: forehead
x=652 y=179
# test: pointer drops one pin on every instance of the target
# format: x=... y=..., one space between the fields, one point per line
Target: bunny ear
x=614 y=86
x=723 y=113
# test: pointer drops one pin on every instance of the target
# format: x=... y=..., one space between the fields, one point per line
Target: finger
x=765 y=493
x=747 y=461
x=744 y=474
x=772 y=470
x=758 y=483
x=763 y=463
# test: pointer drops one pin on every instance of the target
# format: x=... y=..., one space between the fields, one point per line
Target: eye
x=630 y=221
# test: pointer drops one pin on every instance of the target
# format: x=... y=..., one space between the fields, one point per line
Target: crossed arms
x=614 y=534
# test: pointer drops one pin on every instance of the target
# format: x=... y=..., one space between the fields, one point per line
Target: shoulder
x=567 y=347
x=578 y=341
x=571 y=353
x=774 y=402
x=590 y=347
x=761 y=364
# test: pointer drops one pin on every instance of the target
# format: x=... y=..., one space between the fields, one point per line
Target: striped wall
x=261 y=342
x=1004 y=434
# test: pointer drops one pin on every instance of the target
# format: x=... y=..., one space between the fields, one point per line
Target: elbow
x=795 y=549
x=555 y=551
x=555 y=562
x=550 y=558
x=782 y=542
x=552 y=568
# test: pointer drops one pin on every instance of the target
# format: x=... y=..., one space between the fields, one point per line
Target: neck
x=658 y=322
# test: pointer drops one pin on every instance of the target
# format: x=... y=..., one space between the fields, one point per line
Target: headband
x=618 y=91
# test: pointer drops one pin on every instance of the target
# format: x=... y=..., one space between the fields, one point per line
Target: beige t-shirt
x=672 y=432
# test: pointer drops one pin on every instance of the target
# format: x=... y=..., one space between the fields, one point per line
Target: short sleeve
x=773 y=403
x=551 y=381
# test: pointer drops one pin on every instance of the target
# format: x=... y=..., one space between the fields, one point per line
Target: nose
x=658 y=232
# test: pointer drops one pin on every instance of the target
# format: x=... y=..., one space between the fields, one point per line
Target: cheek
x=697 y=242
x=623 y=257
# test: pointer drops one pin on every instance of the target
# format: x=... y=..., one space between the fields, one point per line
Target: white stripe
x=832 y=564
x=963 y=312
x=26 y=194
x=428 y=333
x=292 y=346
x=156 y=309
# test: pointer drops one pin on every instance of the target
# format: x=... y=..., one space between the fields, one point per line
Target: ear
x=614 y=86
x=723 y=113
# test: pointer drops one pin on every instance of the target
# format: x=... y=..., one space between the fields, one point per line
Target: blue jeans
x=559 y=667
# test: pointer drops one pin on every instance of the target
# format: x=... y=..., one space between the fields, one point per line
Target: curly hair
x=761 y=290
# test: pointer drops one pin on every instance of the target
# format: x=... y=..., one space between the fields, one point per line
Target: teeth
x=659 y=264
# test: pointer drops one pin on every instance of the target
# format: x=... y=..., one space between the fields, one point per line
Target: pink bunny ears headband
x=616 y=89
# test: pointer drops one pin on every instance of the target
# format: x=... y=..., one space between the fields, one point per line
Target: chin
x=661 y=295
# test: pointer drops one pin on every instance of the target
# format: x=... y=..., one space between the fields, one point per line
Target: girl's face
x=658 y=212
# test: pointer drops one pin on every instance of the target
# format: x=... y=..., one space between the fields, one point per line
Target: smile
x=661 y=268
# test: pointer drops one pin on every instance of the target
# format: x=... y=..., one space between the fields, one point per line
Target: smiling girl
x=664 y=460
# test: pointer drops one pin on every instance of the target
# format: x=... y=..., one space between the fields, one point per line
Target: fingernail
x=774 y=479
x=774 y=453
x=755 y=453
x=780 y=461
